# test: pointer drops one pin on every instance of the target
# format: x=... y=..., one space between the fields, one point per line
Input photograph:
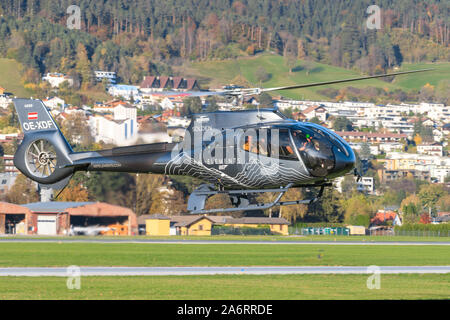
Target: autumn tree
x=219 y=201
x=74 y=192
x=83 y=66
x=411 y=208
x=430 y=194
x=76 y=129
x=358 y=210
x=23 y=191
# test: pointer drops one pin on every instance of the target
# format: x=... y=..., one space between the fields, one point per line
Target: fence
x=384 y=232
x=320 y=231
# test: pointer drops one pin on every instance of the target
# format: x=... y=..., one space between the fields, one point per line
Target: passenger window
x=286 y=149
x=261 y=146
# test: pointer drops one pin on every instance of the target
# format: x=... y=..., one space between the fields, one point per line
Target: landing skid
x=241 y=199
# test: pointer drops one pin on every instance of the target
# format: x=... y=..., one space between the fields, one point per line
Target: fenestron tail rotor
x=41 y=158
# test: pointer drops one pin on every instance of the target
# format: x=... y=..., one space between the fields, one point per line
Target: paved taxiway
x=274 y=242
x=180 y=271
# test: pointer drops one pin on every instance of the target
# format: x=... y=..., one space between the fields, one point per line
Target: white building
x=5 y=101
x=390 y=147
x=55 y=79
x=438 y=167
x=108 y=75
x=125 y=91
x=7 y=181
x=315 y=112
x=119 y=127
x=54 y=103
x=366 y=185
x=178 y=122
x=167 y=104
x=374 y=149
x=434 y=149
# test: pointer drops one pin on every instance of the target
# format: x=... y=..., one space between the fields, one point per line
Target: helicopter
x=237 y=153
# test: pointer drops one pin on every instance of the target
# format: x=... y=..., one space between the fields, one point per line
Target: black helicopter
x=238 y=153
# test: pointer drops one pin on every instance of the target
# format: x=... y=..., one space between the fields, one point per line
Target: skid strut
x=197 y=200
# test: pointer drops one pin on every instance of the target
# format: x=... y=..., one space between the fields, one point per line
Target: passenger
x=263 y=147
x=307 y=143
x=249 y=146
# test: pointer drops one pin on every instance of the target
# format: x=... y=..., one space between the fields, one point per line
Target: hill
x=216 y=73
x=10 y=77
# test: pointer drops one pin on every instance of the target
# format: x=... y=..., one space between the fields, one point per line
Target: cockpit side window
x=315 y=151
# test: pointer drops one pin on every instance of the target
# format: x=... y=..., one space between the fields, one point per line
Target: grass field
x=271 y=238
x=10 y=75
x=132 y=254
x=217 y=73
x=225 y=287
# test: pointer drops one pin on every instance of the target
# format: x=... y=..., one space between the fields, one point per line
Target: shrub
x=244 y=231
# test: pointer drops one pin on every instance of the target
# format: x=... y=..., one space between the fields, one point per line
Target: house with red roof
x=59 y=218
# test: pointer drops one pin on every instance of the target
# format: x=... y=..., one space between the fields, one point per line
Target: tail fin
x=44 y=150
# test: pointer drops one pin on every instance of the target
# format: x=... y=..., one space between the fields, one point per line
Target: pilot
x=307 y=143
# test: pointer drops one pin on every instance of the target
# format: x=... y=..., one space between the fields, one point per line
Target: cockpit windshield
x=315 y=151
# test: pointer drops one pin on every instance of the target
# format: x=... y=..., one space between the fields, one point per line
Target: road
x=180 y=271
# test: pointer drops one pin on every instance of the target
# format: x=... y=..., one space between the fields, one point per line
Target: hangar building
x=58 y=218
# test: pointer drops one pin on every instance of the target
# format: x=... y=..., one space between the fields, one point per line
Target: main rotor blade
x=316 y=84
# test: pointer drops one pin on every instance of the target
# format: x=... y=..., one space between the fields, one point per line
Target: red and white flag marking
x=32 y=115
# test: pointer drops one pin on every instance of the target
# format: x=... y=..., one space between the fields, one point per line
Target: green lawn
x=10 y=77
x=228 y=287
x=216 y=73
x=135 y=254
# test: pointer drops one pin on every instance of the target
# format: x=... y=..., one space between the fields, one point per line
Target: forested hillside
x=139 y=37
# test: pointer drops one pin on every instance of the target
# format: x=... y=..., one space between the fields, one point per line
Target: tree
x=218 y=201
x=358 y=209
x=342 y=124
x=192 y=105
x=23 y=191
x=365 y=153
x=443 y=92
x=293 y=212
x=262 y=75
x=76 y=129
x=411 y=209
x=308 y=66
x=430 y=194
x=146 y=184
x=265 y=100
x=113 y=187
x=74 y=192
x=83 y=66
x=212 y=104
x=290 y=53
x=167 y=201
x=348 y=186
x=427 y=93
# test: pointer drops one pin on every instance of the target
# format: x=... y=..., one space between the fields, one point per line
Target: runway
x=183 y=271
x=265 y=242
